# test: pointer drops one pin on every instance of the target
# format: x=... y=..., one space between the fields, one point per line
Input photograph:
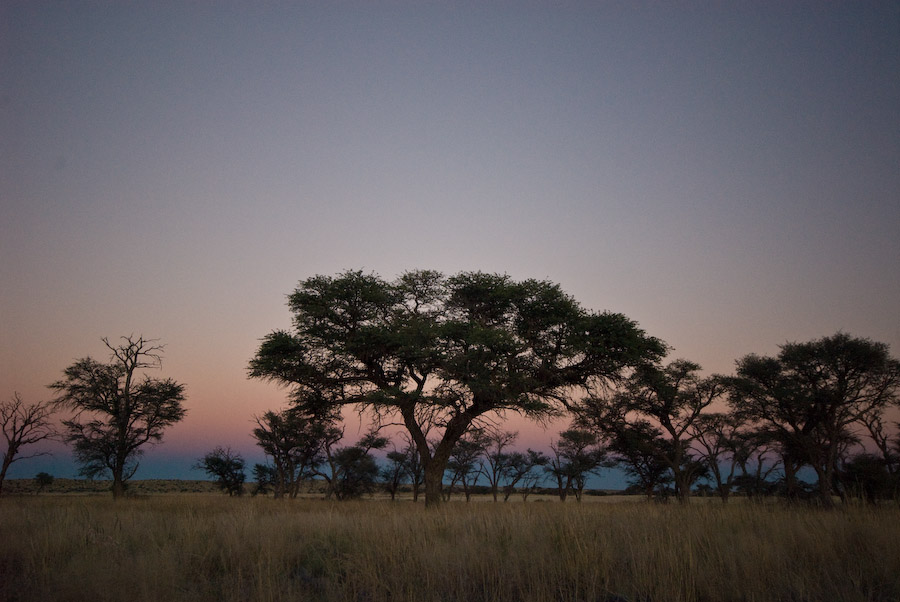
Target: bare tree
x=521 y=468
x=497 y=460
x=535 y=477
x=124 y=412
x=873 y=421
x=23 y=424
x=464 y=466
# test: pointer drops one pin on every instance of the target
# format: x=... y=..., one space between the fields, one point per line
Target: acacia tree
x=395 y=473
x=42 y=479
x=639 y=448
x=576 y=454
x=812 y=395
x=464 y=466
x=673 y=397
x=350 y=471
x=440 y=354
x=23 y=424
x=412 y=466
x=722 y=442
x=116 y=411
x=265 y=478
x=521 y=468
x=497 y=460
x=295 y=443
x=403 y=466
x=227 y=467
x=758 y=458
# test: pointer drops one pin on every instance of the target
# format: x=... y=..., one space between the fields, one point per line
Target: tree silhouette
x=672 y=397
x=23 y=425
x=116 y=412
x=226 y=467
x=295 y=444
x=351 y=471
x=576 y=454
x=813 y=394
x=43 y=479
x=439 y=354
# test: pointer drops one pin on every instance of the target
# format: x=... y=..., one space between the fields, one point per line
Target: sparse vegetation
x=211 y=547
x=490 y=346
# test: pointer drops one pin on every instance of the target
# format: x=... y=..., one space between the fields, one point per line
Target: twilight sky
x=727 y=174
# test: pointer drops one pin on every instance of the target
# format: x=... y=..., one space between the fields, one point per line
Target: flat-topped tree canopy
x=441 y=352
x=812 y=396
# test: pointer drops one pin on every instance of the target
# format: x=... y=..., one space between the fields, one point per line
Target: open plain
x=209 y=547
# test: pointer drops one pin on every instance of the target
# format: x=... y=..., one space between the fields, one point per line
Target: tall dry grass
x=202 y=547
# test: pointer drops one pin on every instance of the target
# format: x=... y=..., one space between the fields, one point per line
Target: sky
x=726 y=174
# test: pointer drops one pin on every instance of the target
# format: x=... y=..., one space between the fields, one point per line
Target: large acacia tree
x=813 y=395
x=441 y=353
x=118 y=409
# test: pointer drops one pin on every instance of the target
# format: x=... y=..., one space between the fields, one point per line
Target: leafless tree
x=465 y=465
x=521 y=469
x=496 y=459
x=23 y=424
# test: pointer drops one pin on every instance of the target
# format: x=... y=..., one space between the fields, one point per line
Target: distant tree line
x=447 y=358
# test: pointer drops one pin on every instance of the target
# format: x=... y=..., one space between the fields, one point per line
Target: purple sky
x=726 y=174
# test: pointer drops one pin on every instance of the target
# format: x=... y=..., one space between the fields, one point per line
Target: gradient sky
x=727 y=174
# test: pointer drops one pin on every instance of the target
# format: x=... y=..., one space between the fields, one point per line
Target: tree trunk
x=3 y=470
x=118 y=486
x=683 y=487
x=790 y=478
x=434 y=473
x=724 y=493
x=435 y=464
x=825 y=486
x=682 y=479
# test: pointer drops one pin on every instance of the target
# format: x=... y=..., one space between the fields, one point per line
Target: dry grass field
x=208 y=547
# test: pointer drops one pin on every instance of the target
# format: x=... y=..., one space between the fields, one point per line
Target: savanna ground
x=202 y=546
